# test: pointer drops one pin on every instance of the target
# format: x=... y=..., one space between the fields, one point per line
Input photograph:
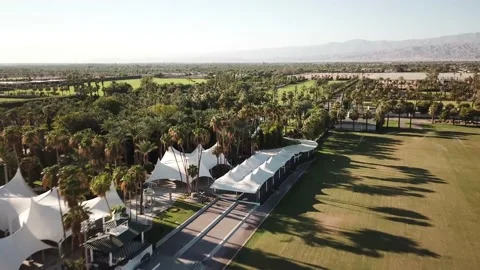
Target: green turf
x=402 y=200
x=6 y=99
x=170 y=219
x=291 y=87
x=134 y=82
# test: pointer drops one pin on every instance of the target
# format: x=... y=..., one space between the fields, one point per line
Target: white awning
x=250 y=175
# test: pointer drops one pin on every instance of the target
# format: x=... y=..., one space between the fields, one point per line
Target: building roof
x=108 y=243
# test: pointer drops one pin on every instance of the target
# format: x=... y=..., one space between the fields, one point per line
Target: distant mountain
x=465 y=47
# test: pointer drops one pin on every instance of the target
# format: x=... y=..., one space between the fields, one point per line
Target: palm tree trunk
x=178 y=166
x=398 y=120
x=366 y=124
x=410 y=120
x=141 y=198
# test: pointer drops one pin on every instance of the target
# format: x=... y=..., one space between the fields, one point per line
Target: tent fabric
x=98 y=206
x=171 y=166
x=18 y=247
x=42 y=220
x=250 y=175
x=14 y=199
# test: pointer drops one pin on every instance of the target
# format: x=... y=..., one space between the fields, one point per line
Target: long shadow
x=262 y=260
x=409 y=221
x=372 y=242
x=375 y=146
x=411 y=175
x=399 y=212
x=429 y=131
x=376 y=190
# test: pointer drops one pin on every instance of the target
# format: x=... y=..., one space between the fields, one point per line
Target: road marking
x=156 y=266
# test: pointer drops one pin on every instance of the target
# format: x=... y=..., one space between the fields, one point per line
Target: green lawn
x=6 y=99
x=170 y=219
x=291 y=87
x=134 y=82
x=402 y=200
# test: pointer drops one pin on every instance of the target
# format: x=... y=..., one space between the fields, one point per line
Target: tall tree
x=100 y=185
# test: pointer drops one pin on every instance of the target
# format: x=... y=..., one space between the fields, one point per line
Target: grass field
x=291 y=87
x=401 y=200
x=135 y=83
x=6 y=99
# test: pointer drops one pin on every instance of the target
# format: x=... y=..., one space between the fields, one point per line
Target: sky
x=80 y=31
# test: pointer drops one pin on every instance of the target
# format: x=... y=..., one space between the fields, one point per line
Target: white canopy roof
x=171 y=166
x=250 y=175
x=42 y=220
x=18 y=247
x=14 y=199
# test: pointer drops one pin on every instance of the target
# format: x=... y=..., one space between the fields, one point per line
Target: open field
x=135 y=83
x=6 y=99
x=393 y=75
x=401 y=200
x=291 y=87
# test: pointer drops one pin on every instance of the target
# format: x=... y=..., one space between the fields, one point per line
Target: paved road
x=200 y=250
x=164 y=255
x=228 y=251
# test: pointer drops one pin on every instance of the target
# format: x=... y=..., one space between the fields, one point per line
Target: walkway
x=204 y=243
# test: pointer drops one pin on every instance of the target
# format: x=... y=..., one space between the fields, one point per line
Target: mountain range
x=462 y=47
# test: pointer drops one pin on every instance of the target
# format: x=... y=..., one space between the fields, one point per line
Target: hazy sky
x=118 y=31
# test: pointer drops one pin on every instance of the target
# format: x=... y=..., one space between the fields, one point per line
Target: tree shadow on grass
x=429 y=131
x=399 y=212
x=372 y=242
x=411 y=175
x=409 y=221
x=364 y=144
x=376 y=190
x=259 y=259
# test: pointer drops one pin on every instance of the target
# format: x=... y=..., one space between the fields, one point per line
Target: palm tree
x=100 y=185
x=410 y=109
x=73 y=220
x=117 y=175
x=399 y=109
x=341 y=115
x=49 y=176
x=201 y=137
x=136 y=176
x=72 y=184
x=168 y=142
x=193 y=171
x=367 y=114
x=144 y=148
x=178 y=134
x=353 y=115
x=57 y=139
x=217 y=151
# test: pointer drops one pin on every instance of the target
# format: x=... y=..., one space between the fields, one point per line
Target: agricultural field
x=401 y=200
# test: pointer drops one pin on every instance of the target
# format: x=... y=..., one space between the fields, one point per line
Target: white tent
x=42 y=220
x=171 y=166
x=18 y=247
x=211 y=159
x=14 y=199
x=98 y=206
x=250 y=175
